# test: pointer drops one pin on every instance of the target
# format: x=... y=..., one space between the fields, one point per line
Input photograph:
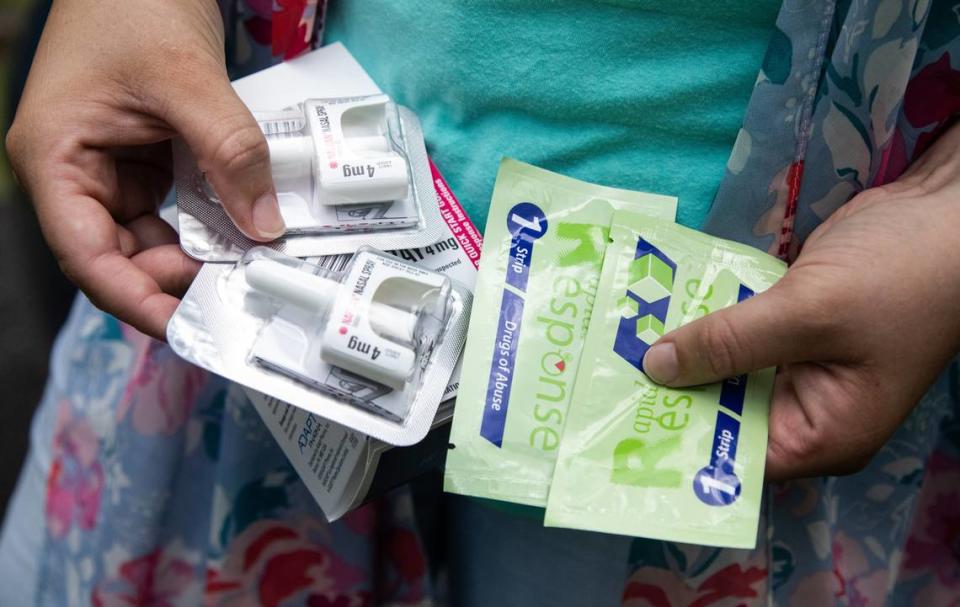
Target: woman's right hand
x=111 y=84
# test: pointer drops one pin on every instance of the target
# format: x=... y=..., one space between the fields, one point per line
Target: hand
x=860 y=326
x=111 y=83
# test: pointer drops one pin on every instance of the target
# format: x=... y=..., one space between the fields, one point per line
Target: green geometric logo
x=649 y=328
x=628 y=306
x=650 y=278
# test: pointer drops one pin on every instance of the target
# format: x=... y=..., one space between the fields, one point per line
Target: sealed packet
x=645 y=460
x=535 y=291
x=349 y=171
x=368 y=341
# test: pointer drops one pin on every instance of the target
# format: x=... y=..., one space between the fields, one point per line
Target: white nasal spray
x=345 y=149
x=370 y=319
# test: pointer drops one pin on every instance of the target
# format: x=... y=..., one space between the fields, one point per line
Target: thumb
x=767 y=330
x=233 y=154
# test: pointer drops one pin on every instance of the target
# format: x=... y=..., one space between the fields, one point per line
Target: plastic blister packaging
x=348 y=171
x=369 y=342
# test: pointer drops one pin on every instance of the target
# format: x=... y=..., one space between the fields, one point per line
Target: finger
x=789 y=432
x=150 y=231
x=767 y=330
x=805 y=438
x=87 y=243
x=232 y=152
x=143 y=176
x=118 y=286
x=169 y=267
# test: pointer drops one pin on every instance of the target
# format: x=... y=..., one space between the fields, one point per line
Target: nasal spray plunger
x=345 y=149
x=372 y=320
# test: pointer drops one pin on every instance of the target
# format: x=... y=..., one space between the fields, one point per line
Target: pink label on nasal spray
x=456 y=218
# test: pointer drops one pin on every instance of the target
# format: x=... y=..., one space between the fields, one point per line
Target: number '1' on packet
x=645 y=460
x=543 y=250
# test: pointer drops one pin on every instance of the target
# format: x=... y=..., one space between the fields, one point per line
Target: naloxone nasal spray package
x=348 y=171
x=343 y=468
x=645 y=460
x=539 y=269
x=370 y=345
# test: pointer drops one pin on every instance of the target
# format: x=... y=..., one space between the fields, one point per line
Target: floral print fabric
x=851 y=91
x=164 y=487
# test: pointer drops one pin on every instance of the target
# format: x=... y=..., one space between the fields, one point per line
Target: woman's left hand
x=860 y=326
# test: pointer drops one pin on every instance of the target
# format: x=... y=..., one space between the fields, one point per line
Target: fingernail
x=661 y=363
x=266 y=217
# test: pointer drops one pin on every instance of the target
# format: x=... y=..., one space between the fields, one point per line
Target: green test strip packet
x=541 y=261
x=644 y=460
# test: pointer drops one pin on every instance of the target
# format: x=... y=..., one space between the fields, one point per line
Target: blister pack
x=348 y=171
x=341 y=467
x=367 y=341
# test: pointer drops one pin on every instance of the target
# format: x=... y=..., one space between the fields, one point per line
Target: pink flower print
x=821 y=588
x=362 y=521
x=735 y=584
x=292 y=27
x=259 y=29
x=258 y=25
x=932 y=99
x=407 y=565
x=157 y=579
x=893 y=161
x=941 y=546
x=852 y=581
x=262 y=8
x=933 y=547
x=76 y=479
x=161 y=392
x=933 y=95
x=271 y=563
x=858 y=584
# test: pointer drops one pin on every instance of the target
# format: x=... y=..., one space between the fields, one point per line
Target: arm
x=860 y=326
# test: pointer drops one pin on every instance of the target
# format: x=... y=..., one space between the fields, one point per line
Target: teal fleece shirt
x=640 y=94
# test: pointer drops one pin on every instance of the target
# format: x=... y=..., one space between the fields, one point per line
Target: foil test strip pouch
x=539 y=269
x=348 y=171
x=370 y=345
x=645 y=460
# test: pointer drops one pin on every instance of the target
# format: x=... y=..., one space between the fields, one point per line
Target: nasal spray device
x=366 y=340
x=344 y=145
x=378 y=320
x=348 y=171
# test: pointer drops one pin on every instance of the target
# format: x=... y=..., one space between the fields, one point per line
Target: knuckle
x=718 y=345
x=17 y=143
x=14 y=141
x=69 y=267
x=33 y=144
x=795 y=449
x=242 y=149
